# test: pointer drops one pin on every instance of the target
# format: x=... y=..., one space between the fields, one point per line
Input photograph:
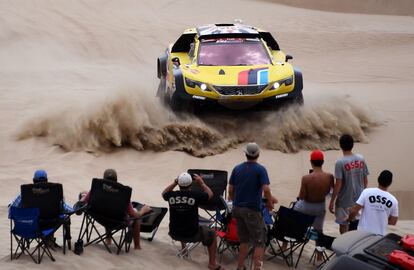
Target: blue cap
x=40 y=176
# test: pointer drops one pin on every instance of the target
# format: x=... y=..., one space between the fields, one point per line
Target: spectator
x=248 y=181
x=38 y=177
x=184 y=223
x=351 y=173
x=313 y=190
x=379 y=208
x=110 y=174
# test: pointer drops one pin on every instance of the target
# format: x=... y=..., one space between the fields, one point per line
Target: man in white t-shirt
x=379 y=207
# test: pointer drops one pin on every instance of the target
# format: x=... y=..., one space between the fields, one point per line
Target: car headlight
x=287 y=81
x=193 y=84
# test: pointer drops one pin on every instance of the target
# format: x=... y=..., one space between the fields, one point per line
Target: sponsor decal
x=381 y=200
x=194 y=71
x=207 y=175
x=40 y=191
x=257 y=76
x=354 y=165
x=108 y=188
x=181 y=200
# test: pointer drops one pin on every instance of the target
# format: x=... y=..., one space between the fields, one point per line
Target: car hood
x=238 y=75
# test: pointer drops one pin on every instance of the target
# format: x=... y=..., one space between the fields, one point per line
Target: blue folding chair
x=30 y=239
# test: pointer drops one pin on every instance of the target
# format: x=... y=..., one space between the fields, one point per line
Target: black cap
x=110 y=174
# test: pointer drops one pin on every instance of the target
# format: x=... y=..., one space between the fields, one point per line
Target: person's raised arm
x=337 y=188
x=170 y=187
x=203 y=186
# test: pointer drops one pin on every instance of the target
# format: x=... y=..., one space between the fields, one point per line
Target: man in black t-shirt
x=184 y=223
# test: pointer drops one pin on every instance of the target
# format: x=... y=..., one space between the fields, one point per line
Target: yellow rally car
x=233 y=65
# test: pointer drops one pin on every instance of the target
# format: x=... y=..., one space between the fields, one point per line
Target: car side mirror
x=288 y=57
x=176 y=61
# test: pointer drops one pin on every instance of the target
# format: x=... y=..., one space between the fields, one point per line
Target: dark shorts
x=250 y=226
x=204 y=235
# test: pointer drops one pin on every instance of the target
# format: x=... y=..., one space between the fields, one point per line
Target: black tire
x=180 y=105
x=162 y=92
x=298 y=99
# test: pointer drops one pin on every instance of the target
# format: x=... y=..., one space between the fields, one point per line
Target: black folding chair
x=292 y=227
x=216 y=180
x=48 y=197
x=150 y=224
x=107 y=206
x=323 y=243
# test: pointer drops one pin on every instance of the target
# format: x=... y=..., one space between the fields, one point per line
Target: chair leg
x=47 y=250
x=286 y=257
x=153 y=234
x=100 y=238
x=11 y=241
x=185 y=252
x=81 y=232
x=300 y=254
x=64 y=239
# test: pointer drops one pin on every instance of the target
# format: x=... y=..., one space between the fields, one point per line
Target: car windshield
x=232 y=52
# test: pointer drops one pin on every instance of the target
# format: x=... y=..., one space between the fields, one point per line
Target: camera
x=310 y=170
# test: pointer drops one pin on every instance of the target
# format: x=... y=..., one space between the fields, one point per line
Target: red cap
x=316 y=155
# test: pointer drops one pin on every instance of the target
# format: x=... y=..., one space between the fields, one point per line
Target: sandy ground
x=80 y=76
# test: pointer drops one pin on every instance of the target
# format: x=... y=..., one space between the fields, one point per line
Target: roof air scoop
x=224 y=24
x=221 y=72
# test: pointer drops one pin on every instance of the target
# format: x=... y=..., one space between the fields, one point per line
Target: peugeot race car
x=233 y=65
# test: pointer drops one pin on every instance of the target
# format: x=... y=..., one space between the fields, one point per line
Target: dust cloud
x=134 y=119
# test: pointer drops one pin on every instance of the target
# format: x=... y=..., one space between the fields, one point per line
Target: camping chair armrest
x=78 y=211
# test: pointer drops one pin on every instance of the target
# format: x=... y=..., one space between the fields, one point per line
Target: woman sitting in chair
x=110 y=174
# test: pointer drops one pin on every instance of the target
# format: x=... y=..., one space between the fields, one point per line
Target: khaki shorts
x=341 y=215
x=250 y=226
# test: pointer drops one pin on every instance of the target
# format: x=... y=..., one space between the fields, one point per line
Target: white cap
x=184 y=179
x=252 y=149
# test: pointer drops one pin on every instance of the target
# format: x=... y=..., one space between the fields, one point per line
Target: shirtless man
x=313 y=190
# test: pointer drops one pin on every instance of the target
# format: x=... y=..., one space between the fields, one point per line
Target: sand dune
x=398 y=7
x=77 y=95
